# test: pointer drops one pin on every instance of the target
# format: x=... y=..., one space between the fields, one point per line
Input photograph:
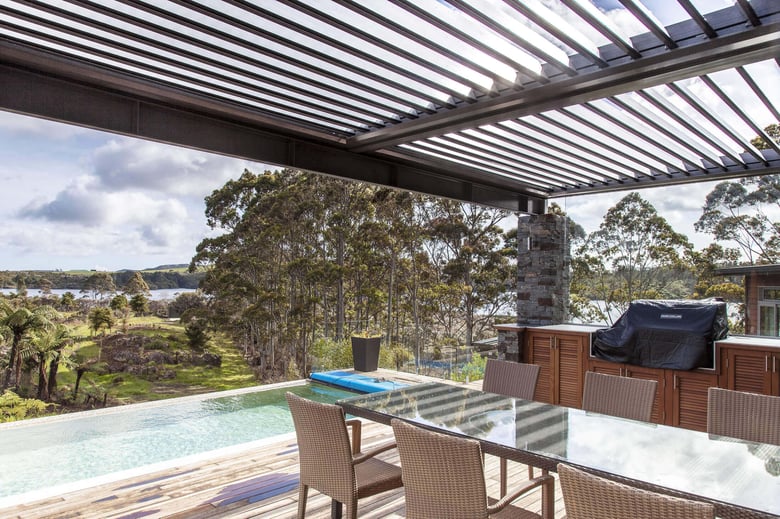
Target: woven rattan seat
x=513 y=379
x=625 y=397
x=747 y=416
x=329 y=464
x=587 y=496
x=444 y=478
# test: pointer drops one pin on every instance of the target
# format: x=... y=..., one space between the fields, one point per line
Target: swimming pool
x=51 y=455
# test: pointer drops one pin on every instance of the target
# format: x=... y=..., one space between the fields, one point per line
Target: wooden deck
x=262 y=482
x=257 y=483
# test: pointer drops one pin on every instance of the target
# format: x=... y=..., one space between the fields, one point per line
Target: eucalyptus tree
x=747 y=212
x=466 y=243
x=630 y=256
x=21 y=322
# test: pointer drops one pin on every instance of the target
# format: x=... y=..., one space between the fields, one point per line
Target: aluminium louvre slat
x=474 y=42
x=280 y=71
x=266 y=67
x=594 y=169
x=747 y=120
x=658 y=31
x=641 y=155
x=417 y=59
x=489 y=22
x=643 y=137
x=527 y=176
x=157 y=72
x=605 y=31
x=325 y=71
x=507 y=156
x=716 y=121
x=250 y=86
x=558 y=33
x=514 y=171
x=750 y=13
x=664 y=128
x=610 y=164
x=310 y=121
x=335 y=43
x=421 y=39
x=446 y=144
x=759 y=92
x=661 y=104
x=698 y=18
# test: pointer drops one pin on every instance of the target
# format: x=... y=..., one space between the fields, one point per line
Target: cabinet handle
x=766 y=363
x=675 y=382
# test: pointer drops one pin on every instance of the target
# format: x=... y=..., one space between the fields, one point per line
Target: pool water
x=48 y=452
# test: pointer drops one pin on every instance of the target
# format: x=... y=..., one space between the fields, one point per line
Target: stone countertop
x=567 y=327
x=751 y=340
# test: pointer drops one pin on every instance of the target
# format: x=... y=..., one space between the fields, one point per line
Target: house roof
x=743 y=270
x=507 y=104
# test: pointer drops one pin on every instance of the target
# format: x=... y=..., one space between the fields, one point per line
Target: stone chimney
x=543 y=269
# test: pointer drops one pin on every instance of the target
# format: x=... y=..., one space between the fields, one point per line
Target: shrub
x=13 y=407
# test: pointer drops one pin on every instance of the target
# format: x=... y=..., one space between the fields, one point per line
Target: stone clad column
x=543 y=266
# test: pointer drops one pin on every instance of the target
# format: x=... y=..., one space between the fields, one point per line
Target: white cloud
x=124 y=163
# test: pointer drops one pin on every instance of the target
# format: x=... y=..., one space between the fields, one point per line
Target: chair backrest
x=443 y=475
x=748 y=416
x=587 y=496
x=510 y=378
x=323 y=447
x=625 y=397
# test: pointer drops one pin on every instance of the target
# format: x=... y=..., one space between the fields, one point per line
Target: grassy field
x=125 y=388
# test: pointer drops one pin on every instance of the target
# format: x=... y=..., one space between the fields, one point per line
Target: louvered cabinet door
x=750 y=369
x=562 y=358
x=571 y=351
x=687 y=398
x=539 y=351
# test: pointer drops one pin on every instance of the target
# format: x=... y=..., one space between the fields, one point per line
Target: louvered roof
x=505 y=103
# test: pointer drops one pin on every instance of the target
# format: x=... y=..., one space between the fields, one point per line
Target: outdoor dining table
x=742 y=479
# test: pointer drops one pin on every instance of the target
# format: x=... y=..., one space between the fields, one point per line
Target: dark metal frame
x=350 y=90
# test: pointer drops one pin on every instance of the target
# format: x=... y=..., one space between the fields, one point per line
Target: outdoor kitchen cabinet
x=751 y=365
x=628 y=370
x=561 y=351
x=686 y=397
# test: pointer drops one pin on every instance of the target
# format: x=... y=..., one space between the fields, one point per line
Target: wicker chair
x=625 y=397
x=329 y=463
x=587 y=496
x=444 y=479
x=747 y=416
x=513 y=379
x=510 y=378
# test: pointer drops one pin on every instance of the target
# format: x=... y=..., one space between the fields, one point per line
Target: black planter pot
x=365 y=353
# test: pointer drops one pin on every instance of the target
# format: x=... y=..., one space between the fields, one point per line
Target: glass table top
x=722 y=469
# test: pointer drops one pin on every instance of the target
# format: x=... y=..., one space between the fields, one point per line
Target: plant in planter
x=365 y=351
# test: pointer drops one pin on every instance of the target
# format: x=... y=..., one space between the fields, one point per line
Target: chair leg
x=303 y=492
x=548 y=498
x=335 y=509
x=502 y=473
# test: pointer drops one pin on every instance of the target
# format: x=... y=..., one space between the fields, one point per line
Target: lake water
x=155 y=295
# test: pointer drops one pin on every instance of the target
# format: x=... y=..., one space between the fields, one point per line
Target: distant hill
x=164 y=276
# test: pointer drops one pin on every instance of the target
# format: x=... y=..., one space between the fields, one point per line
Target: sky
x=74 y=198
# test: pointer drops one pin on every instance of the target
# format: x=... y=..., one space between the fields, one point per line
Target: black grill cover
x=664 y=334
